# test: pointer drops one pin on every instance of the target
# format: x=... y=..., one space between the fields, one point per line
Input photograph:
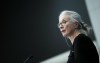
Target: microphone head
x=30 y=57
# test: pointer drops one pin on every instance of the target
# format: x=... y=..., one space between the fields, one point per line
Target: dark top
x=83 y=51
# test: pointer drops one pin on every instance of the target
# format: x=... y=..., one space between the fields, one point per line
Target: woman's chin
x=64 y=35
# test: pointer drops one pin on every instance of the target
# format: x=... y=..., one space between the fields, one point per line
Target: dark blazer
x=83 y=51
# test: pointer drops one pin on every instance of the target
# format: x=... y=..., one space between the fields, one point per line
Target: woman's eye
x=64 y=22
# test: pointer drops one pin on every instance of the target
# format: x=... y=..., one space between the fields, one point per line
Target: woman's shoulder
x=82 y=39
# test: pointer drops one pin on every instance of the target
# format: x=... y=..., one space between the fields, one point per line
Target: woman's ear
x=76 y=24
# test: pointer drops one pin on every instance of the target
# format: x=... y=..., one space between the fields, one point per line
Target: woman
x=82 y=49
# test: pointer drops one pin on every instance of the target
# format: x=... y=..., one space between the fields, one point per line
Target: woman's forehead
x=63 y=17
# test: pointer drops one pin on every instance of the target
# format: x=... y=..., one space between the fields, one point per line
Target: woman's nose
x=61 y=26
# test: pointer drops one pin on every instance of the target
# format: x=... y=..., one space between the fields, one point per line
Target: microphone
x=27 y=59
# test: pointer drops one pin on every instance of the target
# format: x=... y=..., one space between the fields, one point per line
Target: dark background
x=30 y=28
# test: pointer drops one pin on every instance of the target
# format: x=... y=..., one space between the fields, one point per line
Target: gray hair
x=75 y=17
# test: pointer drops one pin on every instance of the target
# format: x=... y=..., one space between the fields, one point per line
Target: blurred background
x=30 y=29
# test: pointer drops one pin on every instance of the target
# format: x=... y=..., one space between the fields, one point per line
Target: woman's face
x=67 y=27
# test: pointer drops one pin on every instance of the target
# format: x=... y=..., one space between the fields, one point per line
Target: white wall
x=93 y=7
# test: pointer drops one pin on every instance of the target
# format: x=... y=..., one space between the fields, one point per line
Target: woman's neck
x=73 y=36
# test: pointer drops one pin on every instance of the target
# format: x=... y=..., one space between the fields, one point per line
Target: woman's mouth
x=62 y=31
